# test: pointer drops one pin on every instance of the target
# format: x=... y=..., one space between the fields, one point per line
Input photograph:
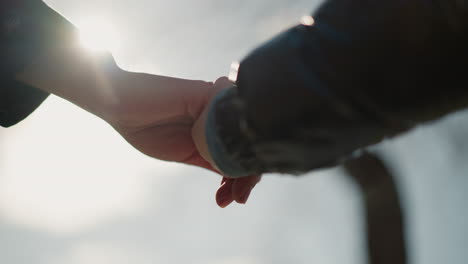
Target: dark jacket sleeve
x=26 y=29
x=363 y=71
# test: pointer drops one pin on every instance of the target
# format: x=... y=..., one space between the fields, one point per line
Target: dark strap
x=384 y=216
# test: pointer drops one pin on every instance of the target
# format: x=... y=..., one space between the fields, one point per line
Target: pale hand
x=155 y=114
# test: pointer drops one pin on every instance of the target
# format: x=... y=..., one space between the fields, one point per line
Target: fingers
x=224 y=180
x=222 y=82
x=198 y=129
x=242 y=187
x=235 y=190
x=224 y=193
x=198 y=160
x=231 y=189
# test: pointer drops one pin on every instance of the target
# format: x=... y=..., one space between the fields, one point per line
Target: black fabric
x=225 y=107
x=17 y=101
x=366 y=70
x=26 y=29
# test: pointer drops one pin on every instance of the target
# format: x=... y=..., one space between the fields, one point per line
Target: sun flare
x=98 y=35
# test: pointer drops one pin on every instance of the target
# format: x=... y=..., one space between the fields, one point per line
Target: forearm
x=62 y=67
x=85 y=79
x=21 y=35
x=94 y=82
x=41 y=54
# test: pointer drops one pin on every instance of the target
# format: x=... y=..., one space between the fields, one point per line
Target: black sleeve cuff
x=17 y=101
x=227 y=139
x=27 y=29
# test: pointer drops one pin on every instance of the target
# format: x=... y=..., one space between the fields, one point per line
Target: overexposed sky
x=72 y=191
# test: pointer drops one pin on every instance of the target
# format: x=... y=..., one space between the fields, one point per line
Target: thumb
x=198 y=129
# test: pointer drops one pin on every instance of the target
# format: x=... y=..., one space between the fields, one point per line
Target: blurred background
x=72 y=191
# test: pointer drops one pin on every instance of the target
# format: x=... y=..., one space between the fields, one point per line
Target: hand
x=231 y=189
x=153 y=113
x=156 y=114
x=162 y=117
x=238 y=190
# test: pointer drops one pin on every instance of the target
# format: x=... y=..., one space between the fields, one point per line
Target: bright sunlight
x=98 y=35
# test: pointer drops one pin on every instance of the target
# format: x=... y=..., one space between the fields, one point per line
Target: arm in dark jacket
x=365 y=70
x=26 y=29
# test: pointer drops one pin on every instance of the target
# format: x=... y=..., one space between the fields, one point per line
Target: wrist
x=109 y=95
x=87 y=80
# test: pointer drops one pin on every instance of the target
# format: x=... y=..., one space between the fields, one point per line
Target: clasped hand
x=168 y=123
x=162 y=117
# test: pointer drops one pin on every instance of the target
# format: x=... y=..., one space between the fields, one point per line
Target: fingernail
x=223 y=180
x=244 y=193
x=243 y=199
x=224 y=202
x=223 y=197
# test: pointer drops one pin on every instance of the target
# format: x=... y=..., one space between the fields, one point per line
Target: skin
x=162 y=117
x=237 y=189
